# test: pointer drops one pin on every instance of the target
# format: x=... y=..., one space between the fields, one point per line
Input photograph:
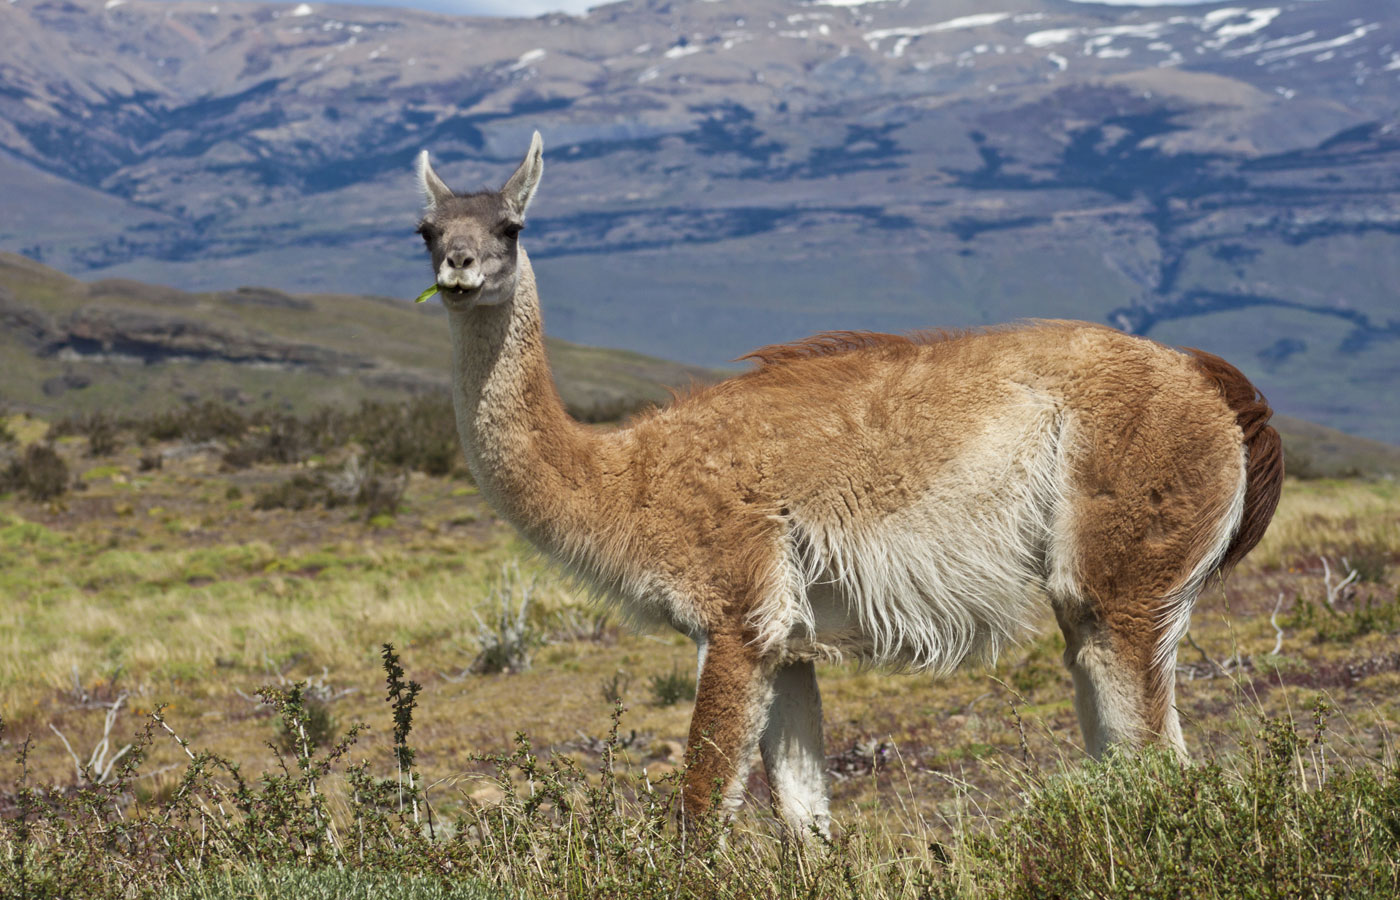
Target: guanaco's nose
x=459 y=259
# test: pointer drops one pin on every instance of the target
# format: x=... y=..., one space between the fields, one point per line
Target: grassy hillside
x=1316 y=451
x=74 y=347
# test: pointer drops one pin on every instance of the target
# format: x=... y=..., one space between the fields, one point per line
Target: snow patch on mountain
x=1354 y=35
x=1230 y=30
x=527 y=58
x=905 y=35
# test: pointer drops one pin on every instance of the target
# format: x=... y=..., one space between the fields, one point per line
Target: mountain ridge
x=721 y=177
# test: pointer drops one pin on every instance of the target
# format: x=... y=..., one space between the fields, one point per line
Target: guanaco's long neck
x=537 y=466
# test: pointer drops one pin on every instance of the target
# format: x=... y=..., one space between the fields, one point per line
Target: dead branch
x=99 y=767
x=1232 y=663
x=1339 y=591
x=1273 y=620
x=1205 y=657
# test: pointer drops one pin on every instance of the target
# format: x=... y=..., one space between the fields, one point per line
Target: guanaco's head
x=473 y=237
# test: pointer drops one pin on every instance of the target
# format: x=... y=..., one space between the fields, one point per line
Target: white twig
x=99 y=767
x=184 y=744
x=1273 y=620
x=1335 y=593
x=76 y=763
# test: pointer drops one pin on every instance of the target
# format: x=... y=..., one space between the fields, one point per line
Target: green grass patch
x=97 y=473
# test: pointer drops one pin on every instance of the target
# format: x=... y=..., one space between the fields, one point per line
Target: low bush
x=274 y=439
x=616 y=409
x=614 y=688
x=670 y=688
x=103 y=432
x=197 y=422
x=314 y=730
x=39 y=473
x=377 y=493
x=1370 y=561
x=104 y=438
x=1152 y=826
x=1303 y=466
x=1364 y=615
x=509 y=639
x=301 y=491
x=420 y=435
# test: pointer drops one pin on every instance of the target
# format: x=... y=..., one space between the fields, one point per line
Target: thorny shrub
x=301 y=491
x=101 y=429
x=616 y=409
x=208 y=420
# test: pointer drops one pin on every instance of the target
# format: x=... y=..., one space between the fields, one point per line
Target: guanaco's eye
x=427 y=231
x=511 y=230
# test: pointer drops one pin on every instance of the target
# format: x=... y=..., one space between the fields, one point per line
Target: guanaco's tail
x=1263 y=449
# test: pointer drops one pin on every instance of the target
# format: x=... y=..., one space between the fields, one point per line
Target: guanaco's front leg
x=793 y=754
x=731 y=708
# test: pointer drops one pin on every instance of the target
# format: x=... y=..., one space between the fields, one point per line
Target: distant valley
x=723 y=175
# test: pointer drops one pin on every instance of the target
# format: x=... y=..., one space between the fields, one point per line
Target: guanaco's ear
x=520 y=189
x=434 y=190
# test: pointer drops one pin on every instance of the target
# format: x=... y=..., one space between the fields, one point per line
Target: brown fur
x=830 y=343
x=1263 y=444
x=723 y=730
x=1154 y=477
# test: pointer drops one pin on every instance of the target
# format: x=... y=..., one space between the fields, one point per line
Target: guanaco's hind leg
x=732 y=700
x=793 y=755
x=1124 y=692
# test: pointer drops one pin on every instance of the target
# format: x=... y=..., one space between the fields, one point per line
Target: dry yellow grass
x=1331 y=517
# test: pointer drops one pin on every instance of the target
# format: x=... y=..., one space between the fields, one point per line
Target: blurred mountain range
x=723 y=174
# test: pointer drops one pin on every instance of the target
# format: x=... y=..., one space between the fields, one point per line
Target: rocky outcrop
x=106 y=332
x=151 y=338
